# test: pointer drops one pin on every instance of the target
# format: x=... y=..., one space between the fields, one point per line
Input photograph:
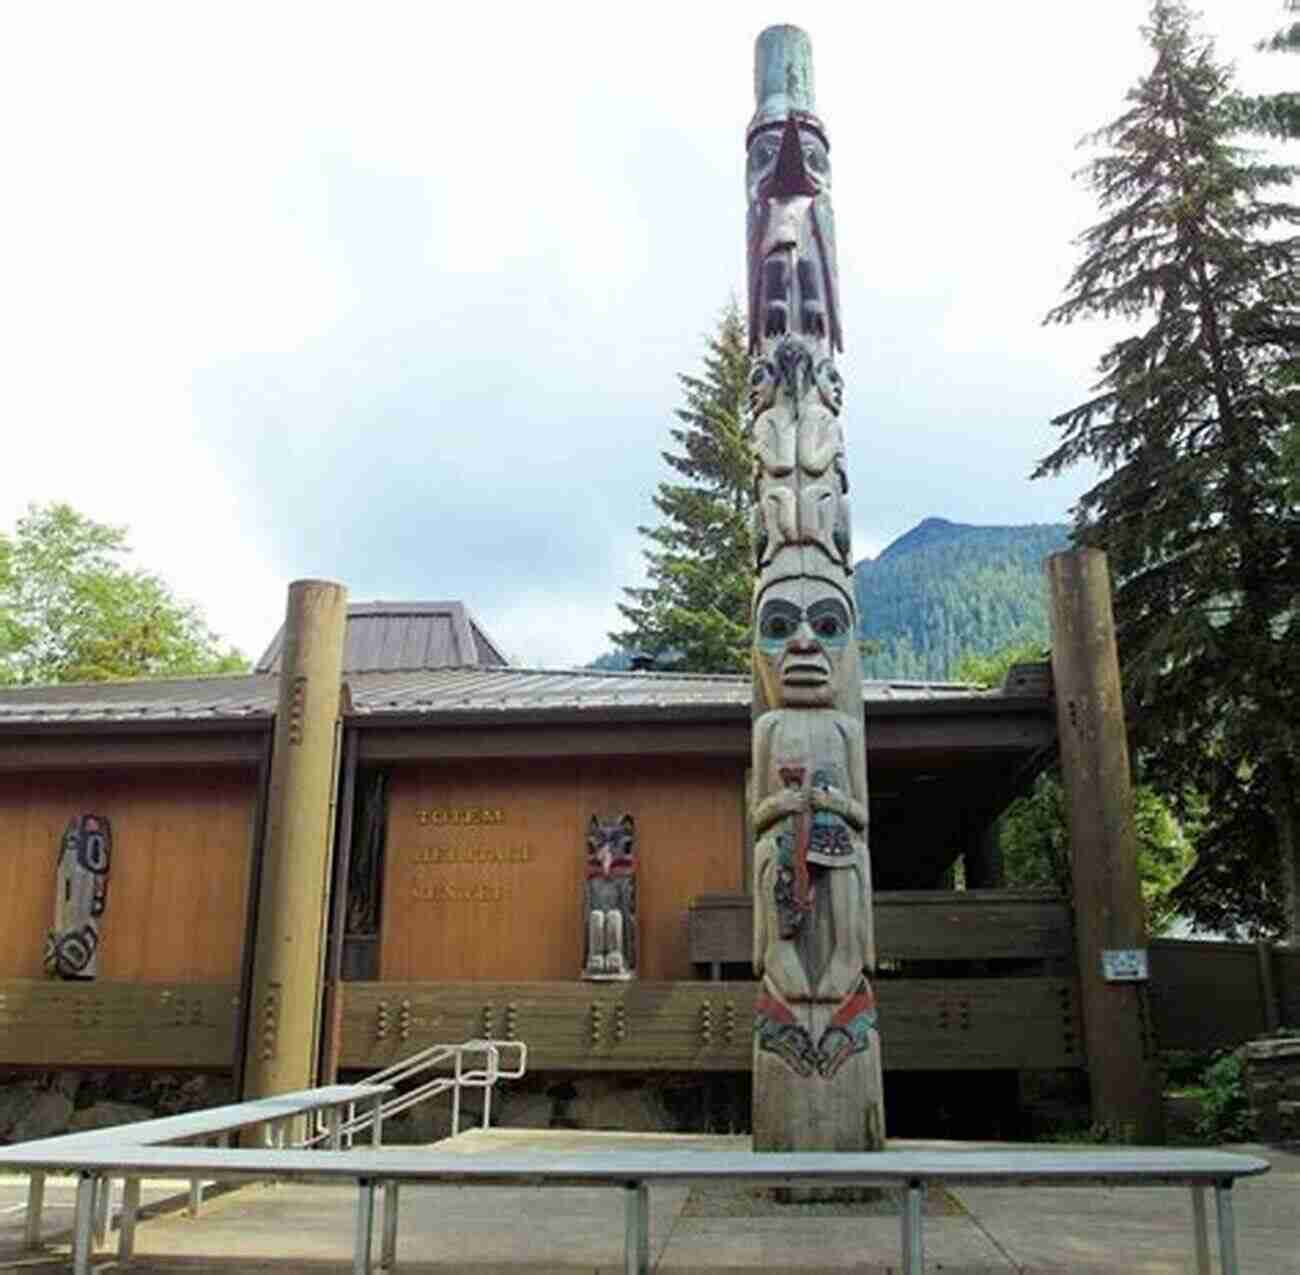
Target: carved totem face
x=805 y=632
x=793 y=287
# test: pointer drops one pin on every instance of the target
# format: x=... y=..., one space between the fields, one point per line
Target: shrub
x=1225 y=1108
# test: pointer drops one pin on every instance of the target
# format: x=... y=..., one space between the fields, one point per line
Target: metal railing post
x=1200 y=1231
x=1227 y=1229
x=635 y=1230
x=455 y=1097
x=35 y=1208
x=103 y=1205
x=130 y=1211
x=388 y=1252
x=83 y=1224
x=913 y=1239
x=365 y=1226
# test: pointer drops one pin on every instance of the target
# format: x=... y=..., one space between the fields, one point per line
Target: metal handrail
x=483 y=1076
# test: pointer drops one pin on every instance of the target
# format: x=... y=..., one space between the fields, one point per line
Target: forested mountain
x=944 y=589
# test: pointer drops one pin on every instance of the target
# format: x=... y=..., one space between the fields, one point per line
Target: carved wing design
x=824 y=227
x=755 y=222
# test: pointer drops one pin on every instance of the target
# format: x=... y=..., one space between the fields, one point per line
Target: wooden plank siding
x=926 y=1024
x=176 y=891
x=45 y=1022
x=926 y=925
x=498 y=919
x=1286 y=972
x=1210 y=994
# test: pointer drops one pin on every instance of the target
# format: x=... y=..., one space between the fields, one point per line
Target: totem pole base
x=811 y=1113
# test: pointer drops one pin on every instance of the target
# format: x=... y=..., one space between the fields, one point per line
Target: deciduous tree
x=1033 y=834
x=1197 y=249
x=71 y=610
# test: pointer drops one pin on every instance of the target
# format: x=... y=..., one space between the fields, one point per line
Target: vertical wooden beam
x=338 y=911
x=981 y=852
x=248 y=953
x=283 y=1038
x=1268 y=986
x=1123 y=1071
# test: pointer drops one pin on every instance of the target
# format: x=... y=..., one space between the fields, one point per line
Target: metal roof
x=237 y=695
x=390 y=636
x=503 y=691
x=483 y=693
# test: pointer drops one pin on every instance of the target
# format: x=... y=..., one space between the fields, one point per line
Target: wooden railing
x=974 y=979
x=911 y=925
x=926 y=1023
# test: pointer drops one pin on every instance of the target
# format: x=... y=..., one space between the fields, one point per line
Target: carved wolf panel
x=610 y=899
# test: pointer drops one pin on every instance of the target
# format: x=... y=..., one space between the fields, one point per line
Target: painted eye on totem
x=777 y=626
x=816 y=159
x=827 y=626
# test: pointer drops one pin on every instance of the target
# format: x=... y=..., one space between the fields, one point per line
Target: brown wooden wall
x=523 y=920
x=1212 y=994
x=47 y=1022
x=176 y=891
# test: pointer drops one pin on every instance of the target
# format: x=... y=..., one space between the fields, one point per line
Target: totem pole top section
x=783 y=77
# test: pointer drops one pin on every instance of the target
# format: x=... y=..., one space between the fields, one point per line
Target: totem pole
x=817 y=1075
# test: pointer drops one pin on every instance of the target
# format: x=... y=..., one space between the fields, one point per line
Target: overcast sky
x=396 y=295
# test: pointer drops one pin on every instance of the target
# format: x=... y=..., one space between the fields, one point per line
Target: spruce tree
x=693 y=614
x=1274 y=114
x=1197 y=249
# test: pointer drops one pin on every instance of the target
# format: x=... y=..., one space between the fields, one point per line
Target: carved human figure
x=80 y=897
x=813 y=935
x=611 y=898
x=801 y=485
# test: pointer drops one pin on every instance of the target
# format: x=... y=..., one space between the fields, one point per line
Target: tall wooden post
x=1110 y=930
x=284 y=1015
x=817 y=1064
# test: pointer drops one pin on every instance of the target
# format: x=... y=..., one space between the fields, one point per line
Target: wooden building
x=464 y=787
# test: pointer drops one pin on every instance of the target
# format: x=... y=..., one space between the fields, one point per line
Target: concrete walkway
x=484 y=1230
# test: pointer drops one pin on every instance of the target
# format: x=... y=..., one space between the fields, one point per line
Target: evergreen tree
x=1273 y=114
x=694 y=612
x=1188 y=423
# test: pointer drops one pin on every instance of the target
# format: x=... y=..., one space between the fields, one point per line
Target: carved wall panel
x=80 y=897
x=610 y=899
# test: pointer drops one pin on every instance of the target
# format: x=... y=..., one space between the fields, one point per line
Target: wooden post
x=333 y=991
x=1123 y=1070
x=284 y=1026
x=1268 y=986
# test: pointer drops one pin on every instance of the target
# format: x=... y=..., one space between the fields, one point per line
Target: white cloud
x=380 y=292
